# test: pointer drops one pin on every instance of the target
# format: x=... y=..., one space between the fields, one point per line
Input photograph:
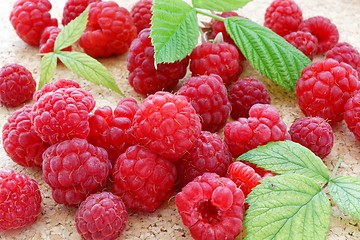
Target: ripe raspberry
x=73 y=8
x=17 y=85
x=344 y=52
x=352 y=115
x=141 y=14
x=212 y=207
x=283 y=17
x=20 y=140
x=209 y=97
x=218 y=26
x=20 y=200
x=74 y=169
x=244 y=93
x=51 y=87
x=109 y=31
x=323 y=29
x=222 y=59
x=101 y=216
x=304 y=41
x=62 y=114
x=143 y=76
x=324 y=87
x=111 y=130
x=209 y=154
x=143 y=179
x=47 y=40
x=29 y=19
x=264 y=125
x=167 y=124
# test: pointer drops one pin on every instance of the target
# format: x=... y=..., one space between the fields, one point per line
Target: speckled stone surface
x=57 y=222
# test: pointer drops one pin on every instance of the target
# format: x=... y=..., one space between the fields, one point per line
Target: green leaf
x=288 y=157
x=267 y=52
x=48 y=67
x=71 y=32
x=287 y=206
x=345 y=190
x=89 y=68
x=220 y=5
x=174 y=30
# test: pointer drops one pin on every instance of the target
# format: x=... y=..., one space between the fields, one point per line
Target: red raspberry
x=212 y=207
x=244 y=93
x=63 y=114
x=109 y=31
x=304 y=41
x=111 y=130
x=51 y=87
x=20 y=140
x=323 y=29
x=74 y=169
x=29 y=19
x=264 y=125
x=143 y=76
x=344 y=52
x=324 y=87
x=167 y=124
x=313 y=133
x=47 y=40
x=143 y=179
x=20 y=200
x=209 y=97
x=352 y=115
x=73 y=8
x=17 y=85
x=222 y=59
x=283 y=17
x=263 y=173
x=209 y=154
x=101 y=216
x=141 y=14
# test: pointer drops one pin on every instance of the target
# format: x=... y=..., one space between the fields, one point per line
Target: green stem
x=332 y=175
x=216 y=17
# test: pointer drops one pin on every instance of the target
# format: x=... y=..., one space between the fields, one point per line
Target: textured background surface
x=57 y=221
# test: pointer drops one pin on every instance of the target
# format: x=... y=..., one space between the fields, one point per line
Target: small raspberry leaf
x=174 y=30
x=89 y=68
x=48 y=67
x=345 y=191
x=283 y=157
x=269 y=53
x=220 y=5
x=289 y=206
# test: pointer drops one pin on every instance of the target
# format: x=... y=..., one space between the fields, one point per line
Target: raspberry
x=264 y=125
x=324 y=87
x=167 y=124
x=143 y=76
x=323 y=29
x=209 y=154
x=20 y=140
x=29 y=19
x=17 y=85
x=244 y=93
x=51 y=87
x=74 y=169
x=218 y=26
x=222 y=59
x=73 y=8
x=283 y=17
x=109 y=31
x=209 y=97
x=344 y=52
x=101 y=216
x=304 y=41
x=263 y=173
x=20 y=200
x=352 y=115
x=212 y=207
x=143 y=179
x=47 y=40
x=141 y=14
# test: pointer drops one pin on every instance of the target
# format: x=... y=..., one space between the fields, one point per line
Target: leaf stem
x=332 y=175
x=214 y=16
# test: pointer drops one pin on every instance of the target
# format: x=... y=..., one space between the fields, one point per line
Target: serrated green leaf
x=174 y=30
x=269 y=53
x=72 y=31
x=288 y=207
x=288 y=157
x=345 y=190
x=89 y=68
x=220 y=5
x=48 y=67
